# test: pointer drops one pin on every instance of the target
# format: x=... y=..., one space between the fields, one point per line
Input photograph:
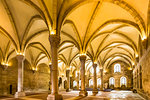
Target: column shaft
x=95 y=90
x=54 y=41
x=68 y=80
x=83 y=92
x=20 y=92
x=4 y=81
x=78 y=78
x=50 y=81
x=102 y=81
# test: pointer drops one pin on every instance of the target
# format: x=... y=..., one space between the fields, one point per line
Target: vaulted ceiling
x=104 y=30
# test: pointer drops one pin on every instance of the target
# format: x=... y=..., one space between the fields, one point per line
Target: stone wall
x=124 y=72
x=141 y=75
x=33 y=81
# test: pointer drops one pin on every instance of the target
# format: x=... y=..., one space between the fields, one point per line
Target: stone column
x=54 y=41
x=71 y=82
x=82 y=92
x=68 y=80
x=4 y=80
x=20 y=92
x=50 y=81
x=144 y=44
x=62 y=85
x=95 y=90
x=102 y=81
x=78 y=78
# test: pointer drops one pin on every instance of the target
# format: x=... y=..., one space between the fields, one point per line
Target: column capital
x=144 y=43
x=20 y=57
x=101 y=69
x=82 y=57
x=4 y=67
x=50 y=66
x=94 y=65
x=54 y=39
x=68 y=71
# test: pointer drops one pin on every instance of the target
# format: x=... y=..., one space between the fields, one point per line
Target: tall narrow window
x=90 y=82
x=117 y=68
x=140 y=77
x=80 y=83
x=123 y=81
x=74 y=83
x=111 y=81
x=98 y=82
x=76 y=73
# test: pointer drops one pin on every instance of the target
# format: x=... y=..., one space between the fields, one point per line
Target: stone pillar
x=50 y=81
x=144 y=44
x=82 y=92
x=68 y=80
x=102 y=81
x=78 y=78
x=85 y=80
x=95 y=90
x=71 y=82
x=4 y=80
x=20 y=92
x=62 y=85
x=54 y=41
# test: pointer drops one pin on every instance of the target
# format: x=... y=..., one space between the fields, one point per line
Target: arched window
x=117 y=68
x=79 y=83
x=90 y=82
x=123 y=81
x=111 y=81
x=98 y=82
x=74 y=83
x=76 y=74
x=92 y=70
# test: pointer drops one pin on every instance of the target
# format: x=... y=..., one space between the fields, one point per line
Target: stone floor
x=73 y=95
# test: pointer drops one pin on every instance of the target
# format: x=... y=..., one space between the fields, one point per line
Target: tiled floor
x=73 y=95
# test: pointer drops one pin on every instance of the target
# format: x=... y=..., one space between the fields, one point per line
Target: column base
x=67 y=90
x=95 y=91
x=49 y=92
x=55 y=97
x=19 y=94
x=83 y=93
x=4 y=94
x=101 y=89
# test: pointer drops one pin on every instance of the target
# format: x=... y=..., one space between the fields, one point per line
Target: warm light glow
x=50 y=63
x=83 y=54
x=53 y=32
x=5 y=64
x=133 y=63
x=130 y=68
x=20 y=53
x=34 y=69
x=136 y=55
x=2 y=63
x=105 y=71
x=143 y=38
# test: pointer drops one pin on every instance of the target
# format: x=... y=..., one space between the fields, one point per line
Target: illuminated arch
x=123 y=81
x=117 y=68
x=111 y=81
x=74 y=83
